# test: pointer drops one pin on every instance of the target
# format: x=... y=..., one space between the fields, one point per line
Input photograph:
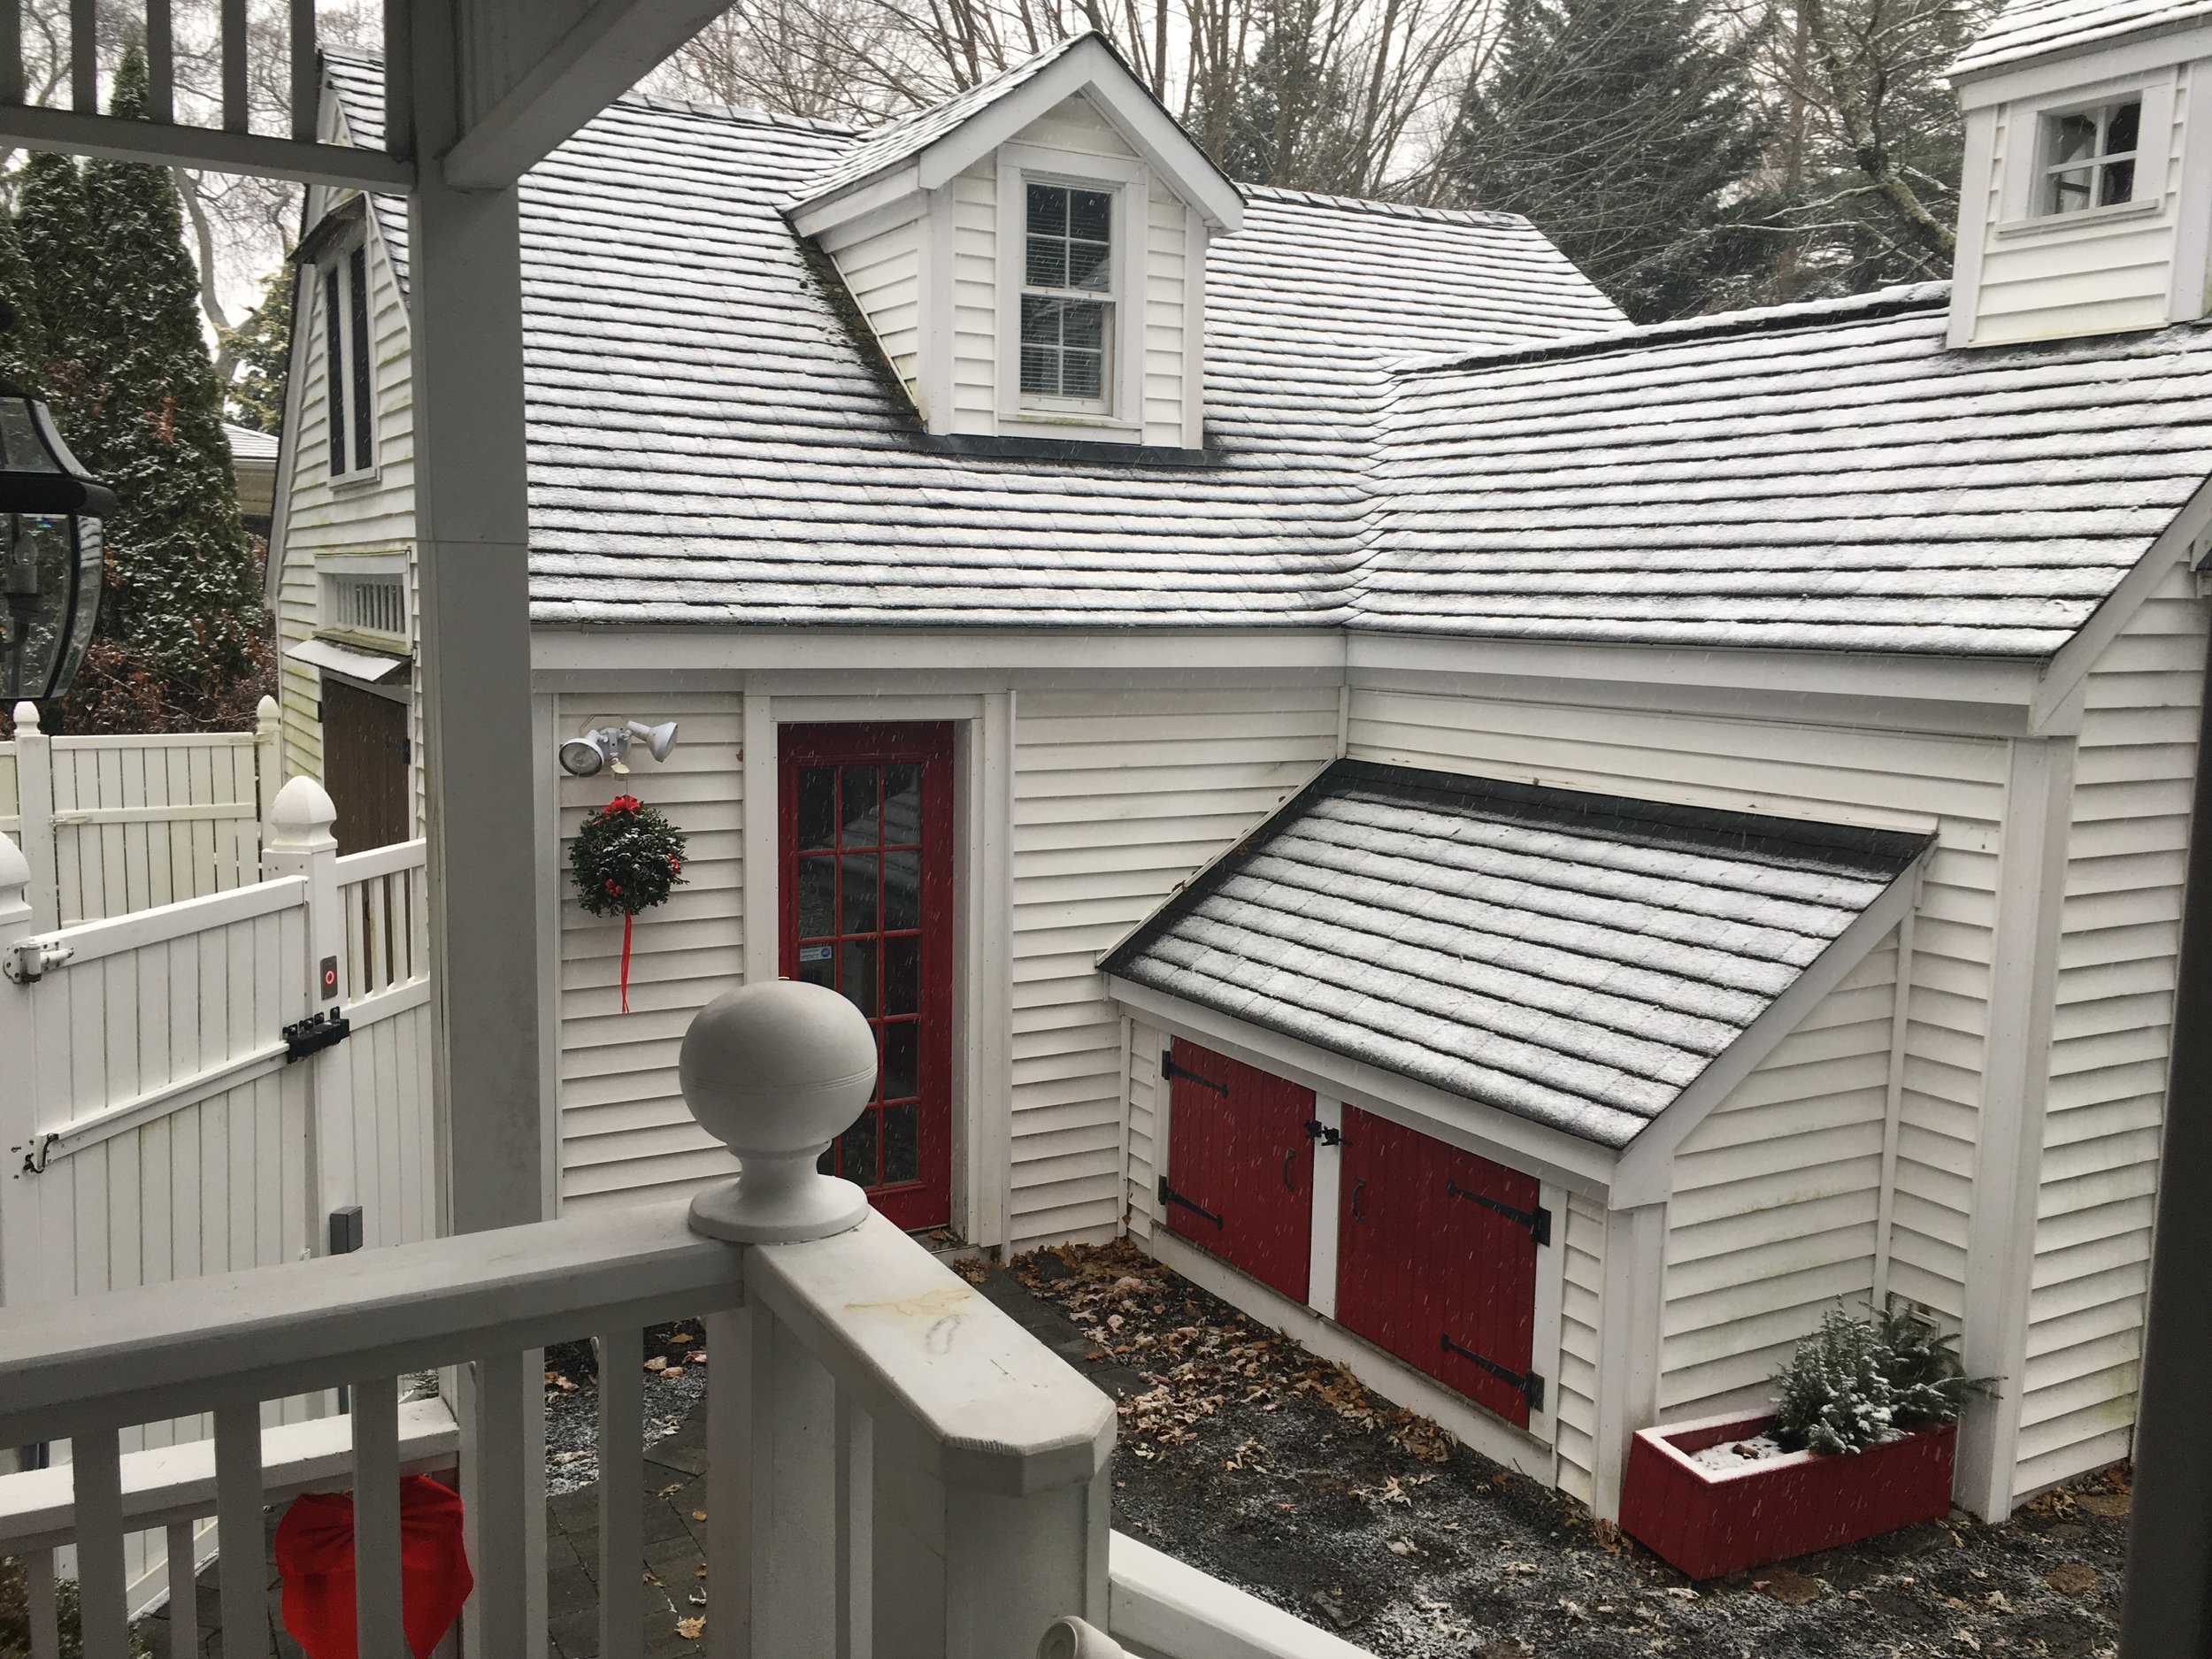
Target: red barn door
x=1239 y=1165
x=1436 y=1262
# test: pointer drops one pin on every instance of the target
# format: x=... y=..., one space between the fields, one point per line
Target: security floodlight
x=610 y=747
x=581 y=757
x=659 y=739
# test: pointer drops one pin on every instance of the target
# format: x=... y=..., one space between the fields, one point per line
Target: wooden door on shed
x=867 y=908
x=1239 y=1165
x=364 y=765
x=1436 y=1262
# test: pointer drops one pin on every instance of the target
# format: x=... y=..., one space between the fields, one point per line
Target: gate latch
x=1315 y=1130
x=315 y=1034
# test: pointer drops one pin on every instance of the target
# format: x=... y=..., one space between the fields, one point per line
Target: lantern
x=50 y=574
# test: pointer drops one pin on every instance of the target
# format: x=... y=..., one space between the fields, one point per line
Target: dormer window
x=2090 y=157
x=350 y=388
x=1066 y=305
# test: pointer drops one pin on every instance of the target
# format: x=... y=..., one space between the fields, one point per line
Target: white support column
x=1328 y=1168
x=760 y=772
x=301 y=842
x=472 y=522
x=2015 y=1090
x=35 y=805
x=1630 y=1325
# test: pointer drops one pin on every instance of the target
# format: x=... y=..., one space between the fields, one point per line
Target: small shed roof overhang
x=1565 y=981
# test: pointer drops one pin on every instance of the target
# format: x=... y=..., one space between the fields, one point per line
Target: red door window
x=1436 y=1262
x=1240 y=1167
x=867 y=910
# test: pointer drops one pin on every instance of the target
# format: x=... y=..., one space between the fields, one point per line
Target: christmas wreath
x=625 y=859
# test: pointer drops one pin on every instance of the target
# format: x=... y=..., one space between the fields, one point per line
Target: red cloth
x=314 y=1557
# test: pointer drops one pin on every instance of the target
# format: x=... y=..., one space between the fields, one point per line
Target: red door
x=867 y=910
x=1239 y=1165
x=1436 y=1262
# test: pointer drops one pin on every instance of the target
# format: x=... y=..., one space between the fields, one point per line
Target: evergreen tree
x=58 y=288
x=262 y=348
x=1630 y=141
x=1291 y=119
x=22 y=333
x=183 y=598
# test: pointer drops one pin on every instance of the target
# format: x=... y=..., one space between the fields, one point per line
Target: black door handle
x=1290 y=1186
x=1358 y=1186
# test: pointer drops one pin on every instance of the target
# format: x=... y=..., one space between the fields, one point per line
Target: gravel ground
x=1242 y=1453
x=672 y=1387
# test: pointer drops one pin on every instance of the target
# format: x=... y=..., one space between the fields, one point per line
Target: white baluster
x=494 y=1456
x=184 y=1597
x=242 y=1571
x=39 y=1603
x=376 y=1585
x=621 y=1490
x=96 y=1462
x=855 y=1500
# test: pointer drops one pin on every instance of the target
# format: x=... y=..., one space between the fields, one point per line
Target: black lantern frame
x=51 y=551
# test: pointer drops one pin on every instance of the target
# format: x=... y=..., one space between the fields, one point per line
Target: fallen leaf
x=698 y=1515
x=2073 y=1577
x=1791 y=1589
x=674 y=1370
x=690 y=1629
x=659 y=1361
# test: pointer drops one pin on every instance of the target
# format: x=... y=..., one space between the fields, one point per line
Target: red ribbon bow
x=314 y=1557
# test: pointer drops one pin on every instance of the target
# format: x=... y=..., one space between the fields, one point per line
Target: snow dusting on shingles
x=2029 y=28
x=1575 y=959
x=1829 y=477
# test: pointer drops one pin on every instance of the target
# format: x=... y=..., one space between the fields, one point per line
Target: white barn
x=1765 y=741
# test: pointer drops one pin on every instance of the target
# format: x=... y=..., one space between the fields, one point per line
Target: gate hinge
x=1171 y=1071
x=28 y=960
x=1169 y=1195
x=315 y=1034
x=1530 y=1384
x=1538 y=1221
x=1315 y=1130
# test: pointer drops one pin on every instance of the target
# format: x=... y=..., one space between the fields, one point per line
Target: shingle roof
x=1574 y=959
x=710 y=443
x=2029 y=28
x=1824 y=476
x=246 y=444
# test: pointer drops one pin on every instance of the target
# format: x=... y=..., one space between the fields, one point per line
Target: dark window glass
x=817 y=965
x=902 y=975
x=857 y=1151
x=2121 y=131
x=901 y=805
x=334 y=377
x=903 y=889
x=818 y=897
x=859 y=819
x=2118 y=184
x=902 y=1076
x=857 y=906
x=902 y=1145
x=364 y=394
x=857 y=973
x=817 y=806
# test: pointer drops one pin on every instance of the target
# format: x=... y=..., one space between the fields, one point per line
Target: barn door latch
x=1315 y=1130
x=1529 y=1385
x=1538 y=1221
x=315 y=1034
x=1171 y=1071
x=1169 y=1195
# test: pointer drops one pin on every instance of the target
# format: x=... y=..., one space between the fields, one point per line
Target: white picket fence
x=155 y=1124
x=113 y=825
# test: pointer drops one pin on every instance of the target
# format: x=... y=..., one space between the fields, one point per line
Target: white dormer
x=2086 y=206
x=1031 y=255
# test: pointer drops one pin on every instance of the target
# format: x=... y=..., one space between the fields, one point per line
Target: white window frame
x=332 y=570
x=1117 y=417
x=2028 y=162
x=348 y=263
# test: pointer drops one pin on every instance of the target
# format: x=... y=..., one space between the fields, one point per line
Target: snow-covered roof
x=1418 y=421
x=2030 y=28
x=248 y=445
x=1577 y=960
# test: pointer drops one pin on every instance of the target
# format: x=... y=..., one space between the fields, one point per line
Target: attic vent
x=368 y=604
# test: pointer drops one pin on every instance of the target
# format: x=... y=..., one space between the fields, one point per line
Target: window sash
x=364 y=415
x=334 y=371
x=348 y=389
x=1066 y=331
x=2097 y=176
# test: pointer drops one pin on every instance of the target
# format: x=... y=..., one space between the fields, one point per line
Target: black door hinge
x=1169 y=1195
x=1315 y=1130
x=1538 y=1221
x=1171 y=1071
x=1529 y=1386
x=315 y=1034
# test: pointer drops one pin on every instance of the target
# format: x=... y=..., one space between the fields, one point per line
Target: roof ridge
x=1374 y=205
x=1758 y=320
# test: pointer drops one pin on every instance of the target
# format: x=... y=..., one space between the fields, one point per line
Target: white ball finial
x=26 y=716
x=776 y=1073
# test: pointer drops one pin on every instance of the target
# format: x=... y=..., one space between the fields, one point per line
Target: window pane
x=857 y=973
x=1083 y=323
x=900 y=1063
x=903 y=975
x=817 y=965
x=1041 y=373
x=902 y=805
x=1040 y=321
x=1082 y=374
x=2126 y=121
x=1089 y=266
x=902 y=1147
x=2115 y=183
x=856 y=1150
x=2070 y=191
x=1048 y=263
x=901 y=890
x=859 y=892
x=358 y=285
x=818 y=897
x=857 y=787
x=1047 y=210
x=1090 y=215
x=2074 y=137
x=333 y=375
x=817 y=806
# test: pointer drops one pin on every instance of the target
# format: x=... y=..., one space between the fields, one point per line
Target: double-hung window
x=2089 y=157
x=1067 y=307
x=349 y=383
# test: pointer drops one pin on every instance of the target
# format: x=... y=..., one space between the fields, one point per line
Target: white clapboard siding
x=105 y=868
x=1794 y=771
x=883 y=273
x=975 y=298
x=1119 y=798
x=1578 y=1407
x=624 y=1130
x=372 y=516
x=1166 y=299
x=1776 y=1198
x=1147 y=1153
x=2122 y=916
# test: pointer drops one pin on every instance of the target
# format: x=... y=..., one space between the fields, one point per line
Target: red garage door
x=1436 y=1262
x=1239 y=1165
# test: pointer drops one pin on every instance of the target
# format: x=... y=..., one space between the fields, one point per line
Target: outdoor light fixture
x=50 y=559
x=609 y=746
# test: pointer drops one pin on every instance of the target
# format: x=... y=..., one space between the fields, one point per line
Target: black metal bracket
x=1315 y=1130
x=1538 y=1221
x=1171 y=1071
x=315 y=1034
x=1169 y=1195
x=1529 y=1385
x=35 y=1160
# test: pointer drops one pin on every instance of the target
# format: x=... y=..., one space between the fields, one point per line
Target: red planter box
x=1713 y=1521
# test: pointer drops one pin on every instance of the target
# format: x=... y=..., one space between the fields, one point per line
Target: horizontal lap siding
x=1577 y=1410
x=2116 y=960
x=1794 y=771
x=1148 y=1156
x=1165 y=292
x=1119 y=798
x=624 y=1130
x=1776 y=1197
x=883 y=272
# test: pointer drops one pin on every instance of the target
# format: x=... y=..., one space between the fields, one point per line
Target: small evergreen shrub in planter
x=1860 y=1442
